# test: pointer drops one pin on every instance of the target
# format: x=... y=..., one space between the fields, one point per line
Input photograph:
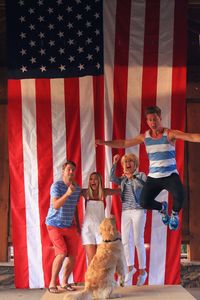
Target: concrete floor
x=195 y=292
x=21 y=294
x=37 y=294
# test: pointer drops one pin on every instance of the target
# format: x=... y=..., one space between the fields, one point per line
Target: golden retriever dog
x=108 y=260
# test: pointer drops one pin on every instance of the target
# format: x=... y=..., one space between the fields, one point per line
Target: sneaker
x=120 y=281
x=166 y=219
x=129 y=275
x=141 y=279
x=163 y=211
x=164 y=208
x=173 y=222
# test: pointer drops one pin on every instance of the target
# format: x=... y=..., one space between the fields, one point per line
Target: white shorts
x=90 y=234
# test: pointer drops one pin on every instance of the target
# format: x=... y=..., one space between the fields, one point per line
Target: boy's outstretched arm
x=185 y=136
x=122 y=143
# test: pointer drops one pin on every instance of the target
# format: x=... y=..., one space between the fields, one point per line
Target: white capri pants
x=132 y=229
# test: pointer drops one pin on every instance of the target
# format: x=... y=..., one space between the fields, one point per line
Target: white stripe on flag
x=134 y=88
x=58 y=126
x=165 y=58
x=159 y=233
x=31 y=184
x=88 y=154
x=158 y=246
x=58 y=132
x=109 y=14
x=136 y=46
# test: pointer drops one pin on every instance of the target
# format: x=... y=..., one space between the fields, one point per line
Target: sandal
x=68 y=287
x=53 y=290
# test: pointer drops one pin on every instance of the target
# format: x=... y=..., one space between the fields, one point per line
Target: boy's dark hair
x=68 y=162
x=152 y=110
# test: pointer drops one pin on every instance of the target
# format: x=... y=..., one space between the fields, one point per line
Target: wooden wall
x=4 y=183
x=193 y=154
x=4 y=173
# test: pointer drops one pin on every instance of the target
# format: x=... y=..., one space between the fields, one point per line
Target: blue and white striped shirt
x=128 y=197
x=130 y=188
x=62 y=217
x=162 y=155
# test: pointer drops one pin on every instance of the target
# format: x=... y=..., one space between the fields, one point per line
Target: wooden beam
x=193 y=125
x=3 y=85
x=4 y=183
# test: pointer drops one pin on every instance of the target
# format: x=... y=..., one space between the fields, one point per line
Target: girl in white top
x=94 y=213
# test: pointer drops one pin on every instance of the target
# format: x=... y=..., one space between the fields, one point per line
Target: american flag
x=80 y=71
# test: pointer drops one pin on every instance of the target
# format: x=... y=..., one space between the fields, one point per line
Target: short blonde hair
x=132 y=157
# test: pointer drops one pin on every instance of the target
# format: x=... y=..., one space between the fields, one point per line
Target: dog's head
x=108 y=229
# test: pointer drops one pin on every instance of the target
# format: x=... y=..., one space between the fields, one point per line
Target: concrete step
x=6 y=275
x=190 y=274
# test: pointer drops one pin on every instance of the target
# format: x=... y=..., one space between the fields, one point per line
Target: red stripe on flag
x=121 y=69
x=72 y=111
x=98 y=88
x=172 y=275
x=149 y=89
x=17 y=192
x=45 y=167
x=122 y=32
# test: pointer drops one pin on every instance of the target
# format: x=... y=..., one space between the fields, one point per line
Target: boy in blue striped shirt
x=163 y=174
x=63 y=226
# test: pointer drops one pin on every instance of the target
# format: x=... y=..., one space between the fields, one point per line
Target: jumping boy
x=163 y=173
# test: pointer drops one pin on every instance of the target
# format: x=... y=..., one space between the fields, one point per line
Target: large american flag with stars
x=81 y=70
x=55 y=38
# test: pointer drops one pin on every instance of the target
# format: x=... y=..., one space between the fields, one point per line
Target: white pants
x=132 y=229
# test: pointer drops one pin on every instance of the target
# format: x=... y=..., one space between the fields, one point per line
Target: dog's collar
x=109 y=241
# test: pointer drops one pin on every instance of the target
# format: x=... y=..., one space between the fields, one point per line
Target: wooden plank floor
x=150 y=292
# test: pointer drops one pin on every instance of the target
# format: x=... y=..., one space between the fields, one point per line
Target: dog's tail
x=81 y=295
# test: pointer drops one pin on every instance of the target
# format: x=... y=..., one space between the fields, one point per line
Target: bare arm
x=58 y=202
x=122 y=143
x=113 y=178
x=108 y=192
x=84 y=193
x=184 y=136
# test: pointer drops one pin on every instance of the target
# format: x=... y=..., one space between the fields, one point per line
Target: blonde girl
x=94 y=213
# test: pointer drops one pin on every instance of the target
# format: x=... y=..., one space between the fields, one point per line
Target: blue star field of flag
x=54 y=39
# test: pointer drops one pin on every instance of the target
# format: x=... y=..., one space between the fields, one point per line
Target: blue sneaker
x=164 y=208
x=166 y=219
x=173 y=223
x=163 y=211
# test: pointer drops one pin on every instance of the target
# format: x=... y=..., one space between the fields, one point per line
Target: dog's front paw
x=121 y=281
